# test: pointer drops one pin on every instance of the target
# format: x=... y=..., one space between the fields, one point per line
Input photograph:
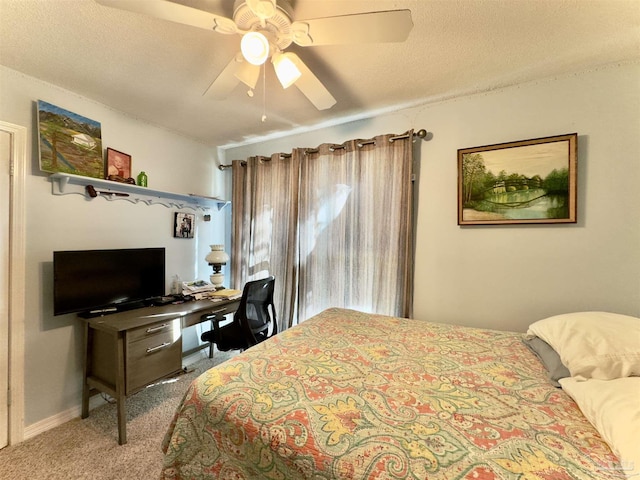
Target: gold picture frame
x=527 y=181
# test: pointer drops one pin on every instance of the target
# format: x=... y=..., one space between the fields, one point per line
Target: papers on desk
x=197 y=286
x=200 y=290
x=220 y=295
x=226 y=294
x=197 y=289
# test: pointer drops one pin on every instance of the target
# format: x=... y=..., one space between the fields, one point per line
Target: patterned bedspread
x=349 y=395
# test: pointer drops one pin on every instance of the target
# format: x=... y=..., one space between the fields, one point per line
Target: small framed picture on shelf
x=184 y=225
x=117 y=166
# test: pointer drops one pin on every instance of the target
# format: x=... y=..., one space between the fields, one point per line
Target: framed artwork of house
x=527 y=181
x=68 y=142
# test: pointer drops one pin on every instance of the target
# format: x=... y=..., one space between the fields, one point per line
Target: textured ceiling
x=157 y=71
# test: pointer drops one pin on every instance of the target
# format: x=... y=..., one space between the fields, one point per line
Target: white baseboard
x=96 y=400
x=58 y=419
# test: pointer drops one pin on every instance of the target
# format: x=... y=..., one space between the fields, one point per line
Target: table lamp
x=217 y=257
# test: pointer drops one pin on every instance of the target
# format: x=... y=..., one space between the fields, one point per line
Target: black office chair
x=251 y=322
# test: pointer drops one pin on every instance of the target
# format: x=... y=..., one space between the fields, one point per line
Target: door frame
x=17 y=279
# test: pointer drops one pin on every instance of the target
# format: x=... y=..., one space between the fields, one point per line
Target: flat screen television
x=95 y=282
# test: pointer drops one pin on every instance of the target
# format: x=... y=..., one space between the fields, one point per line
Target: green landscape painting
x=530 y=181
x=69 y=143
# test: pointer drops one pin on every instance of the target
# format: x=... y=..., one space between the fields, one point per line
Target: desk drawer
x=153 y=355
x=167 y=326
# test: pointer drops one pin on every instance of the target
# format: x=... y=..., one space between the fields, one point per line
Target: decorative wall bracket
x=67 y=184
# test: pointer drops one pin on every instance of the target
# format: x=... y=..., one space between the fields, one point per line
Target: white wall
x=53 y=345
x=505 y=277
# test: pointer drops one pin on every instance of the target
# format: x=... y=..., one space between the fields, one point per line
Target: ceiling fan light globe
x=255 y=48
x=286 y=69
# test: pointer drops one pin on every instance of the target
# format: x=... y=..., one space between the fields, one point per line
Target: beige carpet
x=89 y=448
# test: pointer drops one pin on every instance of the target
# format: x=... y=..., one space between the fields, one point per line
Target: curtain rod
x=422 y=133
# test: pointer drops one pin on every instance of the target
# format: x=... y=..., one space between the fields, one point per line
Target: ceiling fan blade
x=311 y=87
x=237 y=70
x=372 y=27
x=225 y=82
x=175 y=12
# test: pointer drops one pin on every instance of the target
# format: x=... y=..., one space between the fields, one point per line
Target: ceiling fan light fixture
x=255 y=48
x=247 y=74
x=286 y=69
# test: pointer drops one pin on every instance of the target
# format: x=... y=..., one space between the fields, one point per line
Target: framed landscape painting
x=528 y=181
x=68 y=142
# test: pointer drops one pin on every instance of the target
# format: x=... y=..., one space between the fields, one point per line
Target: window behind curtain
x=333 y=225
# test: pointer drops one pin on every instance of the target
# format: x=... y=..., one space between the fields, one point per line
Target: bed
x=351 y=395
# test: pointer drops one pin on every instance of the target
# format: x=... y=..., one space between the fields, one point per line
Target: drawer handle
x=158 y=328
x=159 y=347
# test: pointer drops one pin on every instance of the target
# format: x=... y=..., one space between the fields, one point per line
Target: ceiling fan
x=267 y=29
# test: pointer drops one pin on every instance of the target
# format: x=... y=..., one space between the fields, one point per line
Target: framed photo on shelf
x=184 y=225
x=527 y=181
x=118 y=165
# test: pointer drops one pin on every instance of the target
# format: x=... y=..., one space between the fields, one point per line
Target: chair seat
x=229 y=337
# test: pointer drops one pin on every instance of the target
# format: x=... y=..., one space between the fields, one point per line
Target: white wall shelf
x=67 y=184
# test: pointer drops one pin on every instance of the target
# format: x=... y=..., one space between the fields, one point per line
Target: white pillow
x=613 y=408
x=593 y=344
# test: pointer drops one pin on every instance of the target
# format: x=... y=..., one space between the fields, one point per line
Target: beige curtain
x=264 y=227
x=334 y=225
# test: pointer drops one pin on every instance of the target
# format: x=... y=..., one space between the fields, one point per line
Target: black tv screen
x=99 y=281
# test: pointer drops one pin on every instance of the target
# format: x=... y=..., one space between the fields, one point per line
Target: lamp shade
x=248 y=74
x=217 y=255
x=286 y=70
x=255 y=48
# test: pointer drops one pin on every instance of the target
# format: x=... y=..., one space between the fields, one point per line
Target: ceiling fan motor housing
x=276 y=28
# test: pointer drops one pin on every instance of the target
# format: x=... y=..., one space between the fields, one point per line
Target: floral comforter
x=349 y=395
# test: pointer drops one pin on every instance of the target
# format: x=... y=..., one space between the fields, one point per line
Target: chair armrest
x=215 y=318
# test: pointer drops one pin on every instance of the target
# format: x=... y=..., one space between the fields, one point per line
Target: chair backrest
x=256 y=312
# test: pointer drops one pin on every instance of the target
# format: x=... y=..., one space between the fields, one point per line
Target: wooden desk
x=127 y=351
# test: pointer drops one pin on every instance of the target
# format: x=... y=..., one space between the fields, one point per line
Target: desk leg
x=211 y=343
x=86 y=371
x=120 y=391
